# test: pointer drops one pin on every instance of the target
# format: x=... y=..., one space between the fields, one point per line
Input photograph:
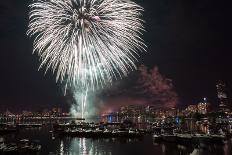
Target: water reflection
x=83 y=146
x=61 y=147
x=54 y=145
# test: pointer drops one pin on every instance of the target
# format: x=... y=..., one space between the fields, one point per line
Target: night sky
x=189 y=40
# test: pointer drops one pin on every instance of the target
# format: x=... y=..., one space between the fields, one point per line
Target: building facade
x=222 y=97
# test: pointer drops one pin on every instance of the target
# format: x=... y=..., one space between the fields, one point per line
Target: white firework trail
x=87 y=42
x=83 y=103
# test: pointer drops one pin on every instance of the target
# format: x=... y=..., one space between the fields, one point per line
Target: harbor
x=52 y=143
x=33 y=137
x=22 y=147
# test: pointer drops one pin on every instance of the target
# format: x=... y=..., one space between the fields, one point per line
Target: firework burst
x=86 y=42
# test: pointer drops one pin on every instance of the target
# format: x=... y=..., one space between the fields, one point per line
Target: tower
x=204 y=106
x=222 y=96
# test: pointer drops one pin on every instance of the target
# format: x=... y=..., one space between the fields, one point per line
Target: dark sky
x=189 y=40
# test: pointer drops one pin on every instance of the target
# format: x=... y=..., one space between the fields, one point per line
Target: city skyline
x=221 y=97
x=188 y=41
x=202 y=106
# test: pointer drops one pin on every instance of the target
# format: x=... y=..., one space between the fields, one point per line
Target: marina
x=71 y=136
x=191 y=138
x=22 y=147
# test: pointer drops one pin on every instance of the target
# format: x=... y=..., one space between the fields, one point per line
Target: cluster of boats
x=92 y=130
x=22 y=147
x=6 y=128
x=29 y=125
x=102 y=133
x=190 y=138
x=213 y=134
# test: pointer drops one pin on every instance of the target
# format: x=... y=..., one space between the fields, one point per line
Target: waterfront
x=54 y=145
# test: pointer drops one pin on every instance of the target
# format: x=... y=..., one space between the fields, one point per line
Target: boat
x=10 y=148
x=101 y=132
x=169 y=138
x=107 y=133
x=25 y=145
x=88 y=133
x=134 y=133
x=2 y=144
x=184 y=138
x=157 y=138
x=219 y=139
x=202 y=138
x=7 y=130
x=196 y=151
x=30 y=125
x=97 y=133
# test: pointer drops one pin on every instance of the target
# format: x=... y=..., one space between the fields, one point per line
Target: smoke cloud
x=143 y=87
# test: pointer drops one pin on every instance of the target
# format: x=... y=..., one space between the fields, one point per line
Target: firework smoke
x=157 y=87
x=85 y=104
x=143 y=87
x=79 y=107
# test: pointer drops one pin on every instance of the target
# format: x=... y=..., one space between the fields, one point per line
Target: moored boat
x=169 y=138
x=157 y=138
x=184 y=138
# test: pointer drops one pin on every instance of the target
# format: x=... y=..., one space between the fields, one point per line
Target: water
x=86 y=146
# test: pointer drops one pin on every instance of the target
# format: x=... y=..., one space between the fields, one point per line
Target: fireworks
x=86 y=42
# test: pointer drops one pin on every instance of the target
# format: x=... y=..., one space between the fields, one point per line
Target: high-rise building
x=222 y=96
x=203 y=107
x=191 y=109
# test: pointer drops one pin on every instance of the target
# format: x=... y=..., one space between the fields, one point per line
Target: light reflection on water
x=52 y=145
x=83 y=146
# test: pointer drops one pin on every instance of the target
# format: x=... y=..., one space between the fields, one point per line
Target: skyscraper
x=203 y=107
x=222 y=96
